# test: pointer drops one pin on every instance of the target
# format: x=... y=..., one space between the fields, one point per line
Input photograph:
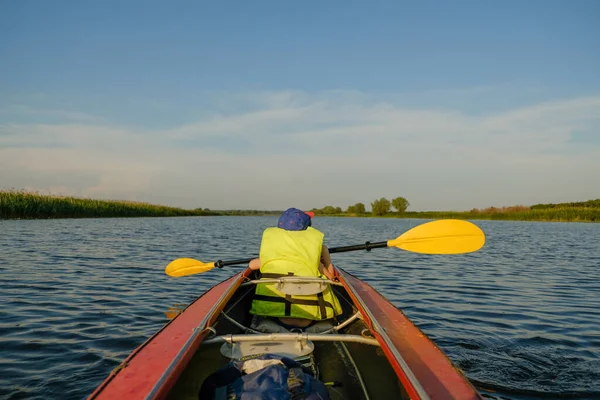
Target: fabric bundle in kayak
x=268 y=376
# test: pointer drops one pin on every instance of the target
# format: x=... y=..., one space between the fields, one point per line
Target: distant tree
x=381 y=206
x=338 y=210
x=400 y=204
x=358 y=208
x=329 y=210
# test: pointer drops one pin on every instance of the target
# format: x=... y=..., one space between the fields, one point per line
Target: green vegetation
x=327 y=210
x=357 y=209
x=400 y=204
x=572 y=214
x=583 y=204
x=28 y=205
x=588 y=211
x=380 y=207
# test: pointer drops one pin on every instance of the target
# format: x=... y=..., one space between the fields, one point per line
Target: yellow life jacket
x=292 y=253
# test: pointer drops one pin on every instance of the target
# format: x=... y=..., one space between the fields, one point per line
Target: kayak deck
x=376 y=351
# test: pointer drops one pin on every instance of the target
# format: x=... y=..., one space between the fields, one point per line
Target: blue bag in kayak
x=269 y=377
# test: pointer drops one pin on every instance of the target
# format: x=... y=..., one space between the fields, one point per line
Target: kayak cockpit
x=372 y=351
x=347 y=357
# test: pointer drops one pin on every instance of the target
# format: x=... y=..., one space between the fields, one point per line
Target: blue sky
x=272 y=104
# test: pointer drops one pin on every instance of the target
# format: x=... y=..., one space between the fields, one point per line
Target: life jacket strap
x=322 y=306
x=289 y=300
x=269 y=275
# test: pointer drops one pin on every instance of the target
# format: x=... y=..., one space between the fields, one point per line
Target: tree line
x=379 y=207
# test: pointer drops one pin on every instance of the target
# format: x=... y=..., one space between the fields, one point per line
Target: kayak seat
x=274 y=325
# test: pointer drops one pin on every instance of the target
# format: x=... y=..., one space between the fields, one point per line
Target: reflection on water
x=521 y=317
x=175 y=310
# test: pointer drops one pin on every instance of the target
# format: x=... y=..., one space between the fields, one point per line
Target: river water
x=521 y=317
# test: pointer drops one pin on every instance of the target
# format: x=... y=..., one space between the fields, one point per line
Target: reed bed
x=570 y=214
x=581 y=204
x=30 y=205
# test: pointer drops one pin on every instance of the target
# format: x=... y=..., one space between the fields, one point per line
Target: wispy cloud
x=28 y=111
x=277 y=149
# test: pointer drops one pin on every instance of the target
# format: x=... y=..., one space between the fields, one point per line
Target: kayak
x=371 y=350
x=374 y=351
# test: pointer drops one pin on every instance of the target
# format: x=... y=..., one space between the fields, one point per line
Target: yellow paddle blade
x=446 y=236
x=187 y=266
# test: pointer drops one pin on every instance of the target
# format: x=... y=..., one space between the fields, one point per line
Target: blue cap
x=293 y=219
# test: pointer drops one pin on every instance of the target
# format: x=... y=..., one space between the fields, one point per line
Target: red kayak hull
x=153 y=368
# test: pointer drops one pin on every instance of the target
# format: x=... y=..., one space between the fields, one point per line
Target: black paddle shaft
x=221 y=264
x=366 y=246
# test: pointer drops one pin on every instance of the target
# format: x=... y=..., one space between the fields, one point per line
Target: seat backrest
x=246 y=349
x=296 y=286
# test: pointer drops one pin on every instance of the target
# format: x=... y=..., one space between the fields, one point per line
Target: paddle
x=446 y=236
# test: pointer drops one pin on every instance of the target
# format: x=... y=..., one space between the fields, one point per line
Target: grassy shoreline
x=28 y=205
x=554 y=215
